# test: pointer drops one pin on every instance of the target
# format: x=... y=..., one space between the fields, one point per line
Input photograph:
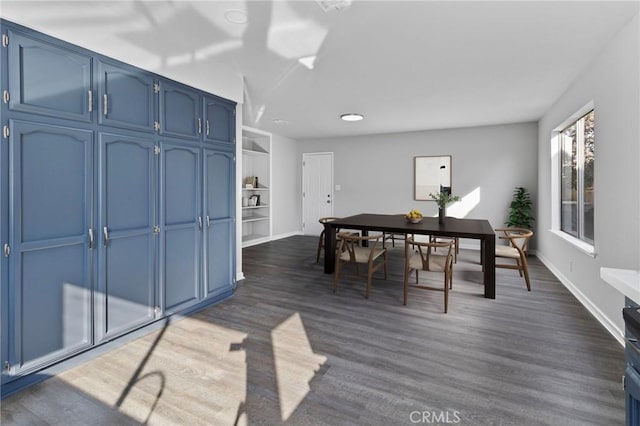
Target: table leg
x=489 y=265
x=329 y=249
x=365 y=233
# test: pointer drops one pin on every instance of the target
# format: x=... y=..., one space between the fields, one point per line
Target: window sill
x=586 y=248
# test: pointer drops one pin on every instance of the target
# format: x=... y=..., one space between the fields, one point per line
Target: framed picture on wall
x=431 y=175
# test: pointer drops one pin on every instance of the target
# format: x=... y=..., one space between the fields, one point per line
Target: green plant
x=443 y=198
x=520 y=209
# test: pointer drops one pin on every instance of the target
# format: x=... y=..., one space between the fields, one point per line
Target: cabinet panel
x=48 y=79
x=219 y=125
x=219 y=244
x=126 y=222
x=180 y=220
x=179 y=111
x=125 y=97
x=50 y=290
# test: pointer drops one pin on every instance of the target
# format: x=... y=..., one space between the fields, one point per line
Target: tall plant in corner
x=520 y=209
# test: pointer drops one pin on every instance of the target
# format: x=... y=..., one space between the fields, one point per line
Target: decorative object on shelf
x=245 y=201
x=251 y=182
x=254 y=200
x=431 y=174
x=520 y=209
x=443 y=198
x=414 y=216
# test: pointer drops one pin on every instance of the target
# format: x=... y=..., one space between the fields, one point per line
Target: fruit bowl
x=414 y=216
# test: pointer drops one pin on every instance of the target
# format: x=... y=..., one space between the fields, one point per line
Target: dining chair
x=421 y=256
x=516 y=250
x=393 y=236
x=456 y=244
x=322 y=221
x=351 y=250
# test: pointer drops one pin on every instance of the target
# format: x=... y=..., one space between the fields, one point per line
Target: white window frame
x=556 y=181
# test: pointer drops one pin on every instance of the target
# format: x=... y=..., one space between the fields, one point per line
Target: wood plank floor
x=286 y=349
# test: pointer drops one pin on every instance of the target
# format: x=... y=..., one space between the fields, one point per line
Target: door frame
x=306 y=155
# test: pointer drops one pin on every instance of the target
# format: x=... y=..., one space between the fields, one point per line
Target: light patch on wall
x=463 y=207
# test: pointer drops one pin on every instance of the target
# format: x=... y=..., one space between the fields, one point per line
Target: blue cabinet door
x=180 y=225
x=50 y=261
x=125 y=97
x=126 y=220
x=219 y=240
x=179 y=111
x=219 y=120
x=48 y=79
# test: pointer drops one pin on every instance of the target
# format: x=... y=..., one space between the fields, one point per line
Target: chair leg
x=320 y=244
x=525 y=268
x=519 y=267
x=384 y=259
x=446 y=294
x=335 y=277
x=369 y=274
x=416 y=276
x=406 y=285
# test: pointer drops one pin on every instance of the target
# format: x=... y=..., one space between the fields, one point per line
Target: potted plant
x=520 y=209
x=442 y=199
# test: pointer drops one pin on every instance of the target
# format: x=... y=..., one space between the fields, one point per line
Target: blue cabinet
x=126 y=223
x=219 y=239
x=179 y=111
x=180 y=225
x=125 y=97
x=219 y=120
x=109 y=221
x=51 y=258
x=49 y=79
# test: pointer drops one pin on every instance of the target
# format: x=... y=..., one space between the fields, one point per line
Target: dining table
x=450 y=227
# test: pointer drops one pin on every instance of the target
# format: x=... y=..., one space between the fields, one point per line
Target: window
x=577 y=155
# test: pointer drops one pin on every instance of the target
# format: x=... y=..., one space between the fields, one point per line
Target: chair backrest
x=324 y=220
x=425 y=248
x=518 y=237
x=349 y=242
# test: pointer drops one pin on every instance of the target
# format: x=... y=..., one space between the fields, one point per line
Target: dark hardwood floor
x=286 y=349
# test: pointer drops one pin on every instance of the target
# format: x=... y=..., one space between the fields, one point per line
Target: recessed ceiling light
x=279 y=121
x=352 y=116
x=236 y=16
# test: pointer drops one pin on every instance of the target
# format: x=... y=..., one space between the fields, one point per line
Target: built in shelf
x=256 y=162
x=253 y=152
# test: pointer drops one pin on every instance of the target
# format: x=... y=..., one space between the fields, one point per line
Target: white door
x=317 y=190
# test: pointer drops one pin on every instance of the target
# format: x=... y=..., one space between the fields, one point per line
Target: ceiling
x=405 y=65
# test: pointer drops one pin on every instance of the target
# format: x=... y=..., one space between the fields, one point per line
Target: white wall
x=612 y=82
x=376 y=172
x=286 y=187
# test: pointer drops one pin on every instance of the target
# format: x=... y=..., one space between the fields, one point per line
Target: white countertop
x=626 y=281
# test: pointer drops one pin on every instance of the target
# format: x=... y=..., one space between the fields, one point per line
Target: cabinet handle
x=199 y=125
x=199 y=222
x=105 y=233
x=207 y=122
x=105 y=104
x=208 y=222
x=90 y=101
x=90 y=238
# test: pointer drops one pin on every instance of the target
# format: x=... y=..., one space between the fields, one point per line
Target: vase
x=441 y=213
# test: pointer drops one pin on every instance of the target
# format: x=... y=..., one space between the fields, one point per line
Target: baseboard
x=287 y=235
x=586 y=302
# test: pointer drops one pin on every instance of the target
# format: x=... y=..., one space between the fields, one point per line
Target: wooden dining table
x=451 y=227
